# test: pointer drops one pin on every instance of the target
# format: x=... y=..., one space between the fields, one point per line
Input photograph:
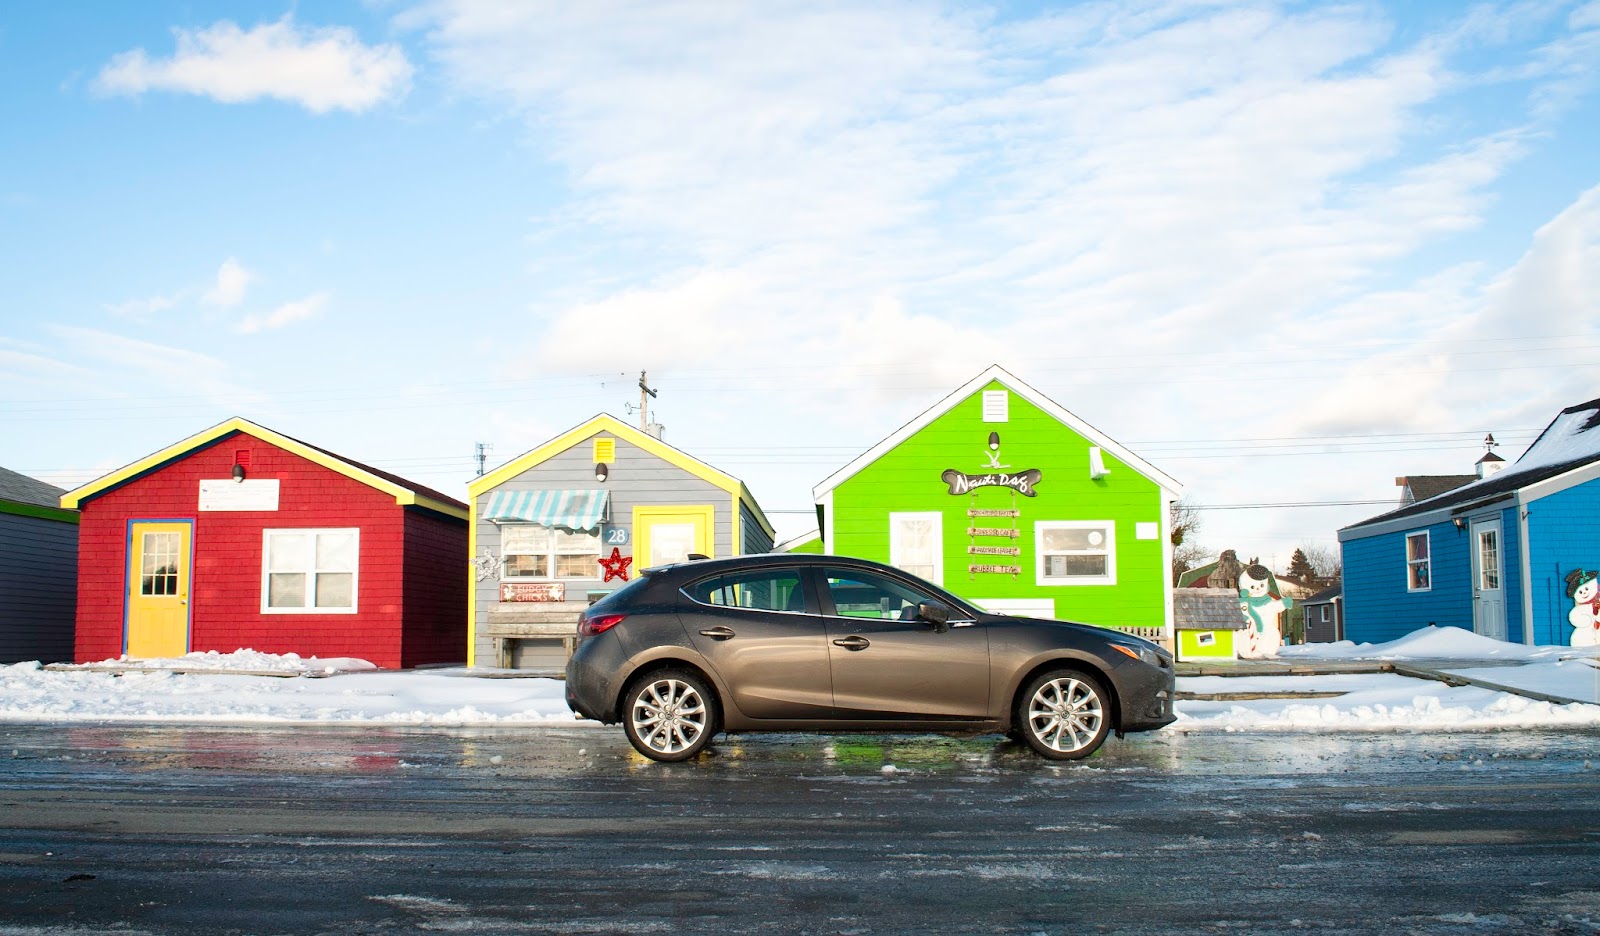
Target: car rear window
x=761 y=590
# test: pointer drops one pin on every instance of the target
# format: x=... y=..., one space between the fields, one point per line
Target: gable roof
x=604 y=422
x=1005 y=378
x=1571 y=441
x=23 y=496
x=405 y=493
x=1423 y=487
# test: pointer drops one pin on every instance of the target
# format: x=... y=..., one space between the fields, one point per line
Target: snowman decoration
x=1583 y=587
x=1261 y=604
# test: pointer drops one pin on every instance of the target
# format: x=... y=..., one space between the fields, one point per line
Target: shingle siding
x=1378 y=607
x=38 y=588
x=1565 y=532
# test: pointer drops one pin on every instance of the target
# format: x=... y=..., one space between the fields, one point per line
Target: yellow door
x=158 y=590
x=669 y=534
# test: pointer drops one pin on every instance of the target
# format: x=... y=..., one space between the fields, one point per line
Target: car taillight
x=599 y=624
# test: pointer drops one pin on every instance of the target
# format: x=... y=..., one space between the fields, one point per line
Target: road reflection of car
x=788 y=642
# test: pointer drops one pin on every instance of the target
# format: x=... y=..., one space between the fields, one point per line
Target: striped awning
x=569 y=510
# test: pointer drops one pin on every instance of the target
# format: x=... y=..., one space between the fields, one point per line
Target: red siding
x=225 y=595
x=436 y=615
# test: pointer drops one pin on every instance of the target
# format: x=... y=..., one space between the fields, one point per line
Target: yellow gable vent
x=605 y=450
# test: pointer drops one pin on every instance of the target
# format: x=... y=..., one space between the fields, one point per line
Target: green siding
x=907 y=479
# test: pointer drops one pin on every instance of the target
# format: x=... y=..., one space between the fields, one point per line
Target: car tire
x=1063 y=714
x=670 y=715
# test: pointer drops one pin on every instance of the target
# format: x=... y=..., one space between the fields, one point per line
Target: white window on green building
x=916 y=544
x=532 y=551
x=1076 y=552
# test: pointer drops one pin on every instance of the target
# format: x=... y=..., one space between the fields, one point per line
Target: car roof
x=757 y=561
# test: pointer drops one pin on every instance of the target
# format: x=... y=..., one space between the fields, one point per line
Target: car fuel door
x=758 y=629
x=889 y=663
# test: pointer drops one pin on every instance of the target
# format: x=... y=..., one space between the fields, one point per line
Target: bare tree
x=1185 y=526
x=1326 y=562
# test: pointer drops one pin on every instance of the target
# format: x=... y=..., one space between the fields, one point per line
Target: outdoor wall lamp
x=1460 y=523
x=994 y=441
x=238 y=474
x=601 y=472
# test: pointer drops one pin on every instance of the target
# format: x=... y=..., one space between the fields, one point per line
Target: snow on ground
x=332 y=691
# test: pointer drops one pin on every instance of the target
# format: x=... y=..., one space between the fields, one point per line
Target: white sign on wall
x=1146 y=531
x=228 y=494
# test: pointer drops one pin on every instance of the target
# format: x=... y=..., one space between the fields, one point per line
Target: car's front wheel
x=670 y=715
x=1064 y=714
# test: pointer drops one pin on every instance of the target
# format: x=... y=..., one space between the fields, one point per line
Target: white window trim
x=355 y=572
x=938 y=542
x=1110 y=529
x=550 y=560
x=1427 y=537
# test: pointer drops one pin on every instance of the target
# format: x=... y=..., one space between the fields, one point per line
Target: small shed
x=241 y=537
x=1513 y=555
x=39 y=559
x=1325 y=615
x=1208 y=621
x=1000 y=495
x=576 y=518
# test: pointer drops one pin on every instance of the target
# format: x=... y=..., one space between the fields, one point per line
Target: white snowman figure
x=1260 y=604
x=1583 y=587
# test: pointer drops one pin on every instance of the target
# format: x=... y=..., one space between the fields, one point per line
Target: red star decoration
x=617 y=565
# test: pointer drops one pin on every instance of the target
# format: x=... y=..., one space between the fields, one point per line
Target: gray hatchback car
x=786 y=642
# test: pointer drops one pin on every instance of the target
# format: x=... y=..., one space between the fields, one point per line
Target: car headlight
x=1150 y=655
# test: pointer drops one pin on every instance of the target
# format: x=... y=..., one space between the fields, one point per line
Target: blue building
x=1497 y=556
x=38 y=571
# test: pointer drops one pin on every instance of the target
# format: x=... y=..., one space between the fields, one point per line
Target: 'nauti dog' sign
x=1022 y=482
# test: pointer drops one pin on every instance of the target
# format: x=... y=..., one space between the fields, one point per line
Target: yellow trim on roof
x=605 y=422
x=402 y=495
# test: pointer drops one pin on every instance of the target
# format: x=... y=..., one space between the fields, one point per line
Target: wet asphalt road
x=337 y=830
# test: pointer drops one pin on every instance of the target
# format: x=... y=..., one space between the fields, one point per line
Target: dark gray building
x=38 y=571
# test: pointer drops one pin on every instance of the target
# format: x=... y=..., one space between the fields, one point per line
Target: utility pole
x=645 y=393
x=483 y=454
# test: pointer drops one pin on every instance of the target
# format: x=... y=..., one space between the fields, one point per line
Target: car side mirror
x=936 y=613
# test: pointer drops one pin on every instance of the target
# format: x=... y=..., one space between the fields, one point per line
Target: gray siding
x=756 y=539
x=637 y=478
x=38 y=588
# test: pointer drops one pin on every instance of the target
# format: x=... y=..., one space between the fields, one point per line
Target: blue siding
x=1564 y=530
x=1377 y=606
x=1511 y=573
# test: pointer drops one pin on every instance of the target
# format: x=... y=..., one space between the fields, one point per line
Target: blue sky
x=1285 y=252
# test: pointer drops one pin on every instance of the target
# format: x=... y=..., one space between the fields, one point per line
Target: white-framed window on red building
x=310 y=571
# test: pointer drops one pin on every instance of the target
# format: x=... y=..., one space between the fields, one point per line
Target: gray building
x=559 y=526
x=38 y=571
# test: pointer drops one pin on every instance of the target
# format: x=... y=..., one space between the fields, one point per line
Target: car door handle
x=853 y=643
x=717 y=633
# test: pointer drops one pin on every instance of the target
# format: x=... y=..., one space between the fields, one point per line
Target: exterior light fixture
x=601 y=471
x=994 y=441
x=238 y=474
x=1460 y=523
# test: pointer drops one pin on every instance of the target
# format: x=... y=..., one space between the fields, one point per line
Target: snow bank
x=1431 y=643
x=248 y=661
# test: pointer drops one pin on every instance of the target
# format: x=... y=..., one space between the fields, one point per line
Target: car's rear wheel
x=1064 y=714
x=670 y=715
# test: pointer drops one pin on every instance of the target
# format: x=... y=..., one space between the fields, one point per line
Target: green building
x=1003 y=497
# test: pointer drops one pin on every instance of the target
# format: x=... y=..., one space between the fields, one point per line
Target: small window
x=158 y=574
x=540 y=552
x=309 y=571
x=1419 y=568
x=1076 y=552
x=916 y=541
x=1327 y=613
x=996 y=406
x=1488 y=560
x=862 y=594
x=760 y=590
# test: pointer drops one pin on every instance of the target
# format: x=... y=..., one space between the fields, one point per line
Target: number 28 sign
x=616 y=536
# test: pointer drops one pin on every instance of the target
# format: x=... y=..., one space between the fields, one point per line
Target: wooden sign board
x=994 y=550
x=997 y=569
x=993 y=531
x=994 y=513
x=533 y=591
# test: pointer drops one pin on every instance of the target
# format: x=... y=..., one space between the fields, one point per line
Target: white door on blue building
x=1488 y=595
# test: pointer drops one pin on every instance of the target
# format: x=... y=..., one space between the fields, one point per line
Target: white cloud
x=321 y=69
x=144 y=308
x=232 y=282
x=285 y=314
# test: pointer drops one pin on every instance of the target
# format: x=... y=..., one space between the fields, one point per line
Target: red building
x=242 y=538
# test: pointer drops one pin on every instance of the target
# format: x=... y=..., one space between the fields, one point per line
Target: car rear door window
x=757 y=590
